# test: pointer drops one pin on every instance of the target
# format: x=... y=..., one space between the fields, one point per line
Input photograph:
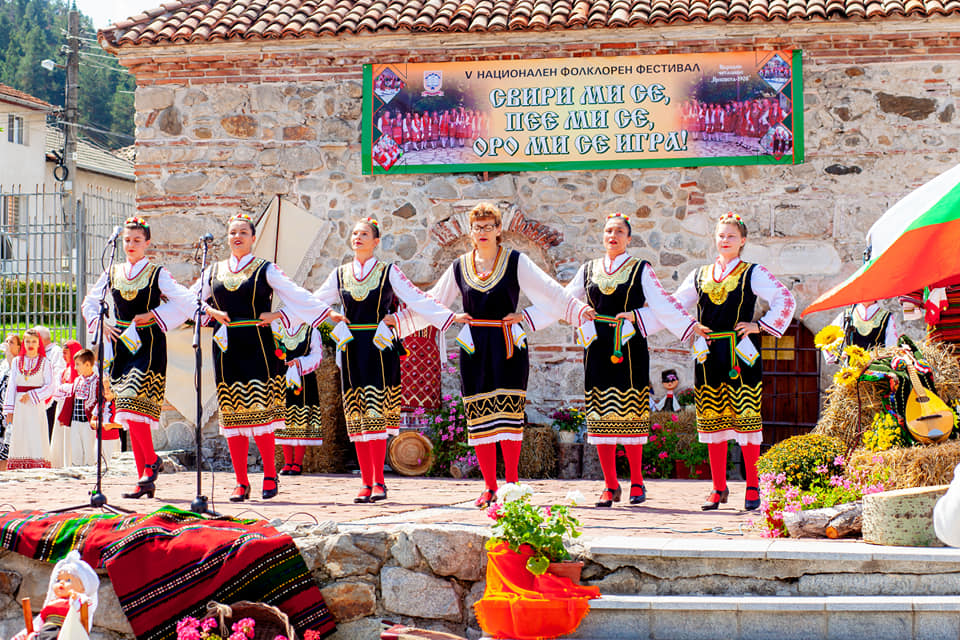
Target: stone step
x=752 y=567
x=773 y=618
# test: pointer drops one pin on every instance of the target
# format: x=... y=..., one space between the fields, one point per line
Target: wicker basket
x=270 y=621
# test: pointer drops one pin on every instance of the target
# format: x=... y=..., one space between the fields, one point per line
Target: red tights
x=371 y=455
x=141 y=441
x=608 y=463
x=487 y=457
x=293 y=453
x=239 y=445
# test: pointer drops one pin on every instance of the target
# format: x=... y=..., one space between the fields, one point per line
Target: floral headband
x=372 y=221
x=732 y=218
x=140 y=222
x=619 y=215
x=241 y=216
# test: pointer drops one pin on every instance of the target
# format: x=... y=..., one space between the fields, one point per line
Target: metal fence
x=49 y=257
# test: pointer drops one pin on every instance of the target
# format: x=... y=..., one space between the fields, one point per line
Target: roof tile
x=207 y=20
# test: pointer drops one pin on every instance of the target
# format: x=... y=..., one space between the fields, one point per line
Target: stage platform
x=672 y=507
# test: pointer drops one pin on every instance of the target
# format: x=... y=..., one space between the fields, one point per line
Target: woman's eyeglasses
x=483 y=228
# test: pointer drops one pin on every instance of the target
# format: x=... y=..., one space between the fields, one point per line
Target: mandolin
x=929 y=419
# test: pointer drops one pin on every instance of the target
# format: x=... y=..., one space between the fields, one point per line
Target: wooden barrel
x=410 y=454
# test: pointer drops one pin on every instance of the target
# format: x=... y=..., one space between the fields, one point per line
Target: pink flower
x=447 y=397
x=839 y=461
x=419 y=411
x=311 y=634
x=808 y=499
x=547 y=511
x=187 y=623
x=674 y=417
x=656 y=427
x=280 y=638
x=209 y=624
x=245 y=626
x=237 y=635
x=662 y=455
x=836 y=481
x=493 y=512
x=653 y=438
x=821 y=469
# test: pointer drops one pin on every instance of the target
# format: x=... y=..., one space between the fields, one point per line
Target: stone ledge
x=789 y=604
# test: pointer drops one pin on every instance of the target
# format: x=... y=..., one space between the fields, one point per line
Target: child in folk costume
x=369 y=292
x=622 y=290
x=61 y=451
x=865 y=325
x=249 y=375
x=73 y=582
x=79 y=442
x=493 y=361
x=147 y=302
x=30 y=387
x=728 y=371
x=302 y=352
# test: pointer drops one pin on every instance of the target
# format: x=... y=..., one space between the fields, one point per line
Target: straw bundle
x=538 y=457
x=922 y=466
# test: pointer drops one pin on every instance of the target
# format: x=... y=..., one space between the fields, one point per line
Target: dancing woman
x=493 y=368
x=622 y=289
x=728 y=375
x=248 y=372
x=369 y=291
x=138 y=372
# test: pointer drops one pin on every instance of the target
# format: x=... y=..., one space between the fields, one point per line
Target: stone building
x=240 y=100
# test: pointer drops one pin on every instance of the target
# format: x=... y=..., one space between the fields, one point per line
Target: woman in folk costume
x=623 y=290
x=728 y=371
x=369 y=292
x=493 y=361
x=866 y=325
x=30 y=387
x=248 y=372
x=12 y=346
x=302 y=351
x=147 y=302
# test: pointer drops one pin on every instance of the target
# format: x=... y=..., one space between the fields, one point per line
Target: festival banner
x=731 y=108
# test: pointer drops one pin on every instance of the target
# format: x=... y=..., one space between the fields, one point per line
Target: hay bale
x=920 y=466
x=685 y=427
x=538 y=457
x=846 y=418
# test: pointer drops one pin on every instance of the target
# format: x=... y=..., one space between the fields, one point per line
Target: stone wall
x=224 y=127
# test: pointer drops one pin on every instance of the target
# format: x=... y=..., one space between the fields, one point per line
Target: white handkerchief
x=700 y=349
x=586 y=334
x=293 y=377
x=747 y=351
x=383 y=338
x=220 y=337
x=341 y=335
x=465 y=339
x=107 y=354
x=519 y=335
x=131 y=339
x=628 y=332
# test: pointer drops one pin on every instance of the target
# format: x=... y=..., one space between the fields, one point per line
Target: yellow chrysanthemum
x=827 y=336
x=846 y=376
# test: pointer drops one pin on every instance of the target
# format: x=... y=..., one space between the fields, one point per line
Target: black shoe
x=152 y=471
x=485 y=500
x=286 y=470
x=638 y=499
x=377 y=497
x=614 y=496
x=240 y=493
x=752 y=505
x=270 y=493
x=711 y=505
x=363 y=498
x=143 y=489
x=295 y=469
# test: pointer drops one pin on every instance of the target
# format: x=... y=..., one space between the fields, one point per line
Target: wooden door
x=791 y=384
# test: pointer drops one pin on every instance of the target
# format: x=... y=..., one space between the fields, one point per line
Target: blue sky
x=106 y=12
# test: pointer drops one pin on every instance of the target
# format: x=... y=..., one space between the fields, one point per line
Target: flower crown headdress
x=140 y=222
x=372 y=221
x=246 y=217
x=731 y=218
x=619 y=215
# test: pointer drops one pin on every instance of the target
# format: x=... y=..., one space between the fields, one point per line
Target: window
x=15 y=129
x=9 y=212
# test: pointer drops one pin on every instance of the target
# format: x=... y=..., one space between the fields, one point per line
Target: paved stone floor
x=672 y=508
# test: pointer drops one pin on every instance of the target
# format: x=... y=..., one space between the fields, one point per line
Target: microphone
x=206 y=238
x=115 y=234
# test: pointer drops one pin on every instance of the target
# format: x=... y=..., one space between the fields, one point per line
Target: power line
x=98 y=55
x=98 y=130
x=105 y=68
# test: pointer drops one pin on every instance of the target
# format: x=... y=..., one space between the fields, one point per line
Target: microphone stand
x=98 y=500
x=199 y=504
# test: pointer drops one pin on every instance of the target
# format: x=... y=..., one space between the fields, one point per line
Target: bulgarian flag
x=914 y=245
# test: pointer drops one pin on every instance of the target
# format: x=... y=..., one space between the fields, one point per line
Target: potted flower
x=527 y=528
x=569 y=422
x=692 y=460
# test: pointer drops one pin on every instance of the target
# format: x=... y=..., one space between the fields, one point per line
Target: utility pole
x=71 y=110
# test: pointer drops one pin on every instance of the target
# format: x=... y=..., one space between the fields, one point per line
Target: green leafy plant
x=544 y=529
x=447 y=430
x=693 y=454
x=799 y=457
x=685 y=397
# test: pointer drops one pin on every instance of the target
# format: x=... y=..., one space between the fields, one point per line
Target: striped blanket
x=169 y=564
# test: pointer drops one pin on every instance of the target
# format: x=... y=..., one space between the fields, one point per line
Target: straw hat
x=410 y=454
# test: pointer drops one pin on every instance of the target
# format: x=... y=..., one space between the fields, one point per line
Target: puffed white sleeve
x=575 y=289
x=45 y=392
x=328 y=293
x=445 y=291
x=767 y=288
x=299 y=305
x=10 y=397
x=946 y=513
x=312 y=359
x=180 y=303
x=686 y=293
x=550 y=300
x=662 y=309
x=201 y=287
x=420 y=307
x=90 y=307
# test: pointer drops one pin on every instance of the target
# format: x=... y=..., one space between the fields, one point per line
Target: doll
x=669 y=402
x=72 y=579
